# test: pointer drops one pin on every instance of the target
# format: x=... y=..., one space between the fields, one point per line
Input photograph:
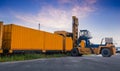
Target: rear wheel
x=106 y=52
x=75 y=52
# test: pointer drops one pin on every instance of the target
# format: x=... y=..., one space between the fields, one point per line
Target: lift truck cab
x=82 y=44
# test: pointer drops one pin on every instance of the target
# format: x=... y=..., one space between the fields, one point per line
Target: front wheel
x=74 y=52
x=106 y=52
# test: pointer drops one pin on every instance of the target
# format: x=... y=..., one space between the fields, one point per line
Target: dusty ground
x=85 y=63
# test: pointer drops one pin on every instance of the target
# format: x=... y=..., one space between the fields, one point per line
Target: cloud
x=51 y=17
x=91 y=1
x=78 y=2
x=82 y=12
x=58 y=18
x=64 y=1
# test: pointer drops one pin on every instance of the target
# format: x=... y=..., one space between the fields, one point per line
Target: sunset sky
x=100 y=17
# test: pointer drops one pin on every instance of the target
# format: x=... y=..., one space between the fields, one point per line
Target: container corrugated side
x=6 y=42
x=68 y=44
x=23 y=38
x=59 y=42
x=1 y=34
x=53 y=41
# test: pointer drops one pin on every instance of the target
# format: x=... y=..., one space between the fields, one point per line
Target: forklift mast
x=75 y=31
x=83 y=34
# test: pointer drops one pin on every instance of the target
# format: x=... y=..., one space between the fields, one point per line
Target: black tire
x=106 y=52
x=75 y=52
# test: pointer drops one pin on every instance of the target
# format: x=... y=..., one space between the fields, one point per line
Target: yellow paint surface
x=1 y=51
x=53 y=42
x=68 y=44
x=21 y=38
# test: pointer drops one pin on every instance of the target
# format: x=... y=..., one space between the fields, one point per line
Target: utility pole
x=39 y=26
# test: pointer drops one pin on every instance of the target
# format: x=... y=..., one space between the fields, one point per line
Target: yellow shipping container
x=1 y=33
x=6 y=43
x=53 y=42
x=21 y=38
x=68 y=44
x=1 y=36
x=59 y=42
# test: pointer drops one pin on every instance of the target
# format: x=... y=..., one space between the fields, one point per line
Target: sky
x=100 y=17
